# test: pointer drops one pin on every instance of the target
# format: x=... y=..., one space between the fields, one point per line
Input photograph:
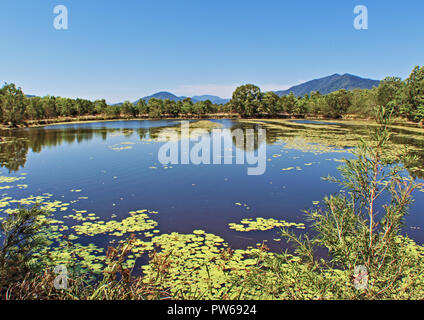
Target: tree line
x=16 y=107
x=404 y=97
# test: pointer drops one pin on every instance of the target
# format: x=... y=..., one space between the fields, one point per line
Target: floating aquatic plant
x=262 y=224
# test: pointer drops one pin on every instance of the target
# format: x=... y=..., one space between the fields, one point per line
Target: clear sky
x=123 y=50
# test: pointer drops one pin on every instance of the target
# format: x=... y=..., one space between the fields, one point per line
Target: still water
x=111 y=168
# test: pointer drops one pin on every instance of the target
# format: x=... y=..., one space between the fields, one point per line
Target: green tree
x=128 y=109
x=65 y=107
x=246 y=100
x=113 y=111
x=317 y=103
x=170 y=107
x=187 y=106
x=389 y=93
x=49 y=106
x=270 y=104
x=413 y=104
x=302 y=105
x=34 y=109
x=100 y=106
x=155 y=108
x=338 y=103
x=364 y=103
x=12 y=105
x=142 y=107
x=288 y=103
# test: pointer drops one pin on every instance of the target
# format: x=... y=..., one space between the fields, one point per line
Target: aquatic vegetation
x=262 y=224
x=245 y=205
x=122 y=146
x=78 y=216
x=4 y=179
x=135 y=223
x=197 y=264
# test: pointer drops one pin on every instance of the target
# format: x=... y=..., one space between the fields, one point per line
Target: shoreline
x=93 y=119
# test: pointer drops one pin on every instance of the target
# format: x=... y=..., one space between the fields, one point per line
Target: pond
x=103 y=181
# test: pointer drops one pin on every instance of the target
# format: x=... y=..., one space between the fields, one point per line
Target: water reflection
x=15 y=144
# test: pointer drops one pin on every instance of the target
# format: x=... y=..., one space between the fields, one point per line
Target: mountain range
x=330 y=84
x=167 y=95
x=324 y=85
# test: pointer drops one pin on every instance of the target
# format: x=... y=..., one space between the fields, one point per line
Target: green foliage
x=113 y=111
x=389 y=93
x=413 y=98
x=337 y=103
x=12 y=101
x=270 y=104
x=142 y=107
x=21 y=236
x=34 y=109
x=302 y=106
x=115 y=283
x=288 y=103
x=364 y=103
x=246 y=100
x=49 y=107
x=100 y=106
x=155 y=108
x=129 y=109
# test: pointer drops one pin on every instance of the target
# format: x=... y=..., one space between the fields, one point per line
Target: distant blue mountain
x=213 y=99
x=163 y=95
x=330 y=84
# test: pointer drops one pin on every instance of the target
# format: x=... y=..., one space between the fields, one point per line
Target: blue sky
x=123 y=50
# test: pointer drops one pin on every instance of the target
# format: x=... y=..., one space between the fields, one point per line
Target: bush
x=21 y=236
